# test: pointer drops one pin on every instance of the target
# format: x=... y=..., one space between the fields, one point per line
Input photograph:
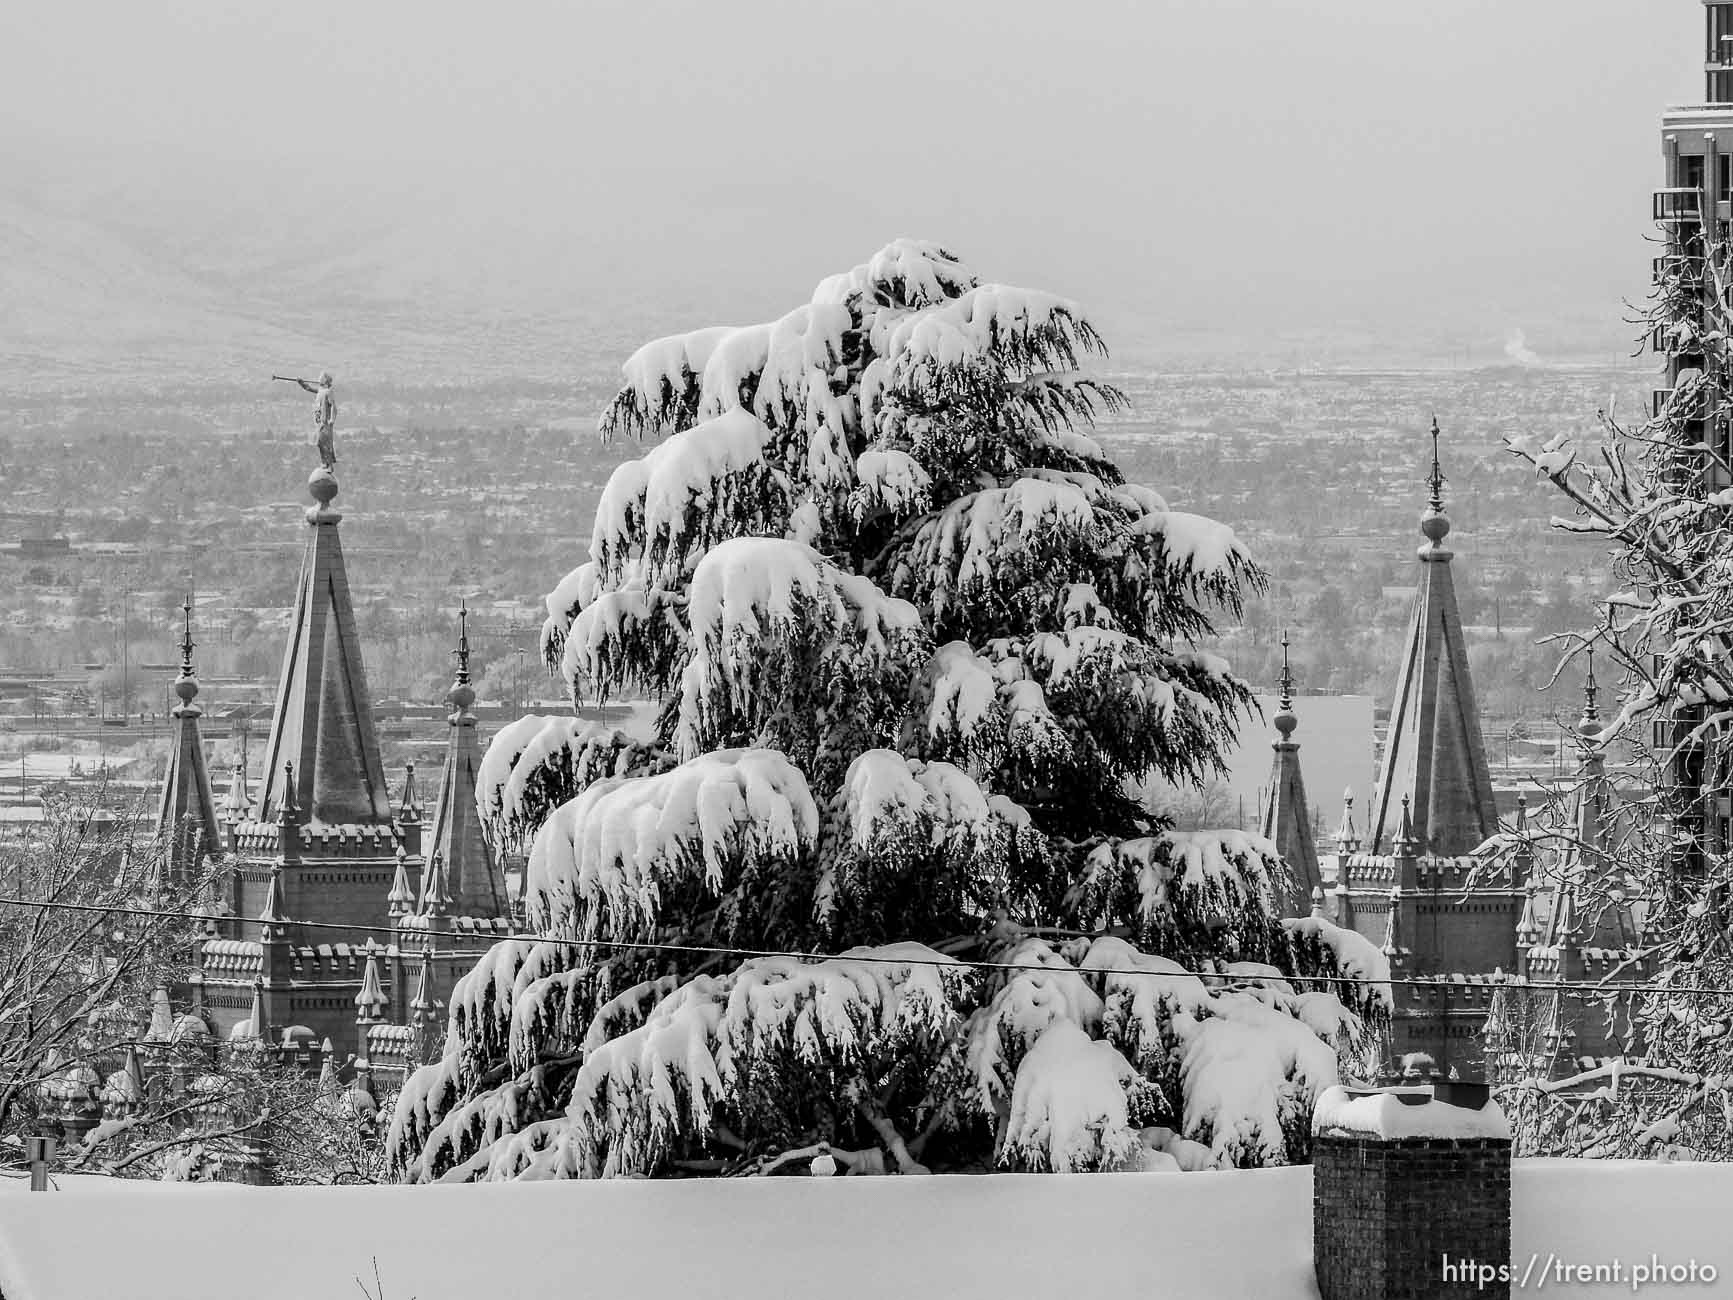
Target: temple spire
x=187 y=811
x=462 y=651
x=462 y=873
x=1435 y=480
x=187 y=637
x=1287 y=696
x=323 y=720
x=1287 y=818
x=1589 y=725
x=1434 y=755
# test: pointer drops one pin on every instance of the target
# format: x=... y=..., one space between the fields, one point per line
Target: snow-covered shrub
x=915 y=639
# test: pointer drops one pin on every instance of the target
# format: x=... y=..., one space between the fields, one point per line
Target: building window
x=1720 y=34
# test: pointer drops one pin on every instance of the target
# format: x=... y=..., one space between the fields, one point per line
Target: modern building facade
x=1694 y=213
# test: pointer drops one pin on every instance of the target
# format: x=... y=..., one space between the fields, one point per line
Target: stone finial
x=370 y=1002
x=1317 y=900
x=1347 y=836
x=1566 y=924
x=409 y=809
x=361 y=1100
x=287 y=809
x=1393 y=933
x=161 y=1017
x=1528 y=924
x=254 y=1027
x=435 y=890
x=125 y=1090
x=237 y=805
x=273 y=916
x=1406 y=844
x=425 y=1007
x=401 y=900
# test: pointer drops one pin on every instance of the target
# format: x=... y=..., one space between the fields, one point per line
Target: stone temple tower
x=323 y=844
x=1445 y=918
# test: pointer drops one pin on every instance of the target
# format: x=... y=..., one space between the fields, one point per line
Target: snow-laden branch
x=603 y=864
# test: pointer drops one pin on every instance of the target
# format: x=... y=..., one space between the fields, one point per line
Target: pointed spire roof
x=323 y=720
x=1433 y=751
x=1287 y=820
x=187 y=811
x=469 y=878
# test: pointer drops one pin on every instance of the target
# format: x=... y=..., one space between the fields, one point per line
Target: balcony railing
x=1678 y=265
x=1679 y=205
x=1667 y=340
x=1672 y=733
x=1688 y=408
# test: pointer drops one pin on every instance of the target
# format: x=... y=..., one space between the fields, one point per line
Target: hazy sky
x=1464 y=167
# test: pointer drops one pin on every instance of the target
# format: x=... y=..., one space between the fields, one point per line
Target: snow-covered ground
x=1190 y=1237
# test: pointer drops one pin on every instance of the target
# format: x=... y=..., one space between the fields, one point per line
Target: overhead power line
x=939 y=961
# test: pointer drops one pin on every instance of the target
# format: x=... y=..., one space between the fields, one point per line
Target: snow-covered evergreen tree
x=914 y=638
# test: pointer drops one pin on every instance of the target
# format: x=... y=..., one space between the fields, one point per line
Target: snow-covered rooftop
x=1182 y=1237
